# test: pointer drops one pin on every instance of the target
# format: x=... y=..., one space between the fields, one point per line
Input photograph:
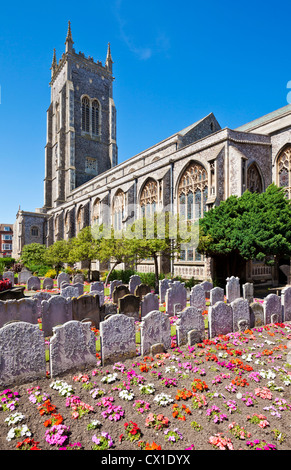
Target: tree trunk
x=110 y=271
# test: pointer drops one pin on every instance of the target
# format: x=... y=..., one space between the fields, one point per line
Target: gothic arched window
x=254 y=180
x=284 y=171
x=149 y=198
x=118 y=209
x=193 y=192
x=85 y=114
x=95 y=117
x=96 y=212
x=192 y=197
x=80 y=219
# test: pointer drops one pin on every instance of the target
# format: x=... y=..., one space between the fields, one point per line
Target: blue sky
x=174 y=62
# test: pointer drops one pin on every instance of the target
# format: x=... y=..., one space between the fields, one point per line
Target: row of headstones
x=73 y=344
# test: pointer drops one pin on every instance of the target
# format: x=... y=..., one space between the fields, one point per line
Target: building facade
x=6 y=238
x=187 y=173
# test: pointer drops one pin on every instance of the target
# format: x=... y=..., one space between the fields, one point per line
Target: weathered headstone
x=256 y=314
x=190 y=318
x=62 y=277
x=9 y=275
x=197 y=297
x=113 y=284
x=177 y=309
x=21 y=310
x=79 y=286
x=232 y=289
x=240 y=314
x=149 y=303
x=87 y=307
x=33 y=283
x=98 y=287
x=220 y=320
x=117 y=339
x=24 y=275
x=55 y=311
x=134 y=281
x=119 y=292
x=164 y=285
x=141 y=290
x=207 y=285
x=129 y=305
x=48 y=283
x=108 y=308
x=286 y=304
x=155 y=328
x=40 y=296
x=248 y=291
x=176 y=294
x=79 y=277
x=69 y=292
x=72 y=347
x=194 y=337
x=22 y=349
x=216 y=295
x=272 y=309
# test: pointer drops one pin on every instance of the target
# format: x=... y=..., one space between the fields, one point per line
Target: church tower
x=81 y=123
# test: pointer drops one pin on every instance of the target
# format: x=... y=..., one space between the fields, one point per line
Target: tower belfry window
x=85 y=114
x=95 y=117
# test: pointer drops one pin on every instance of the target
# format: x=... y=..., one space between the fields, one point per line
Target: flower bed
x=228 y=393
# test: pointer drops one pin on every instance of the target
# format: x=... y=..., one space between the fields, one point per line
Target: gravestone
x=134 y=281
x=9 y=275
x=149 y=303
x=232 y=289
x=48 y=283
x=216 y=295
x=155 y=328
x=109 y=308
x=69 y=292
x=40 y=296
x=22 y=348
x=113 y=284
x=272 y=309
x=248 y=292
x=207 y=286
x=164 y=285
x=141 y=290
x=87 y=307
x=220 y=320
x=256 y=314
x=78 y=278
x=177 y=309
x=33 y=283
x=194 y=337
x=240 y=314
x=176 y=294
x=24 y=310
x=23 y=276
x=98 y=287
x=64 y=284
x=80 y=287
x=129 y=305
x=190 y=318
x=286 y=304
x=55 y=311
x=62 y=277
x=117 y=339
x=119 y=292
x=197 y=297
x=72 y=347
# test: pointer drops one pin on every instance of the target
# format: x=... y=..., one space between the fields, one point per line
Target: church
x=189 y=172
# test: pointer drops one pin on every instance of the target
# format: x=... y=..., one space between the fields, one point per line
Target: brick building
x=188 y=172
x=6 y=237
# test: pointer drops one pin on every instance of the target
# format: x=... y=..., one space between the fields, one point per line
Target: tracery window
x=284 y=171
x=192 y=197
x=193 y=192
x=149 y=198
x=85 y=114
x=118 y=209
x=34 y=231
x=79 y=219
x=254 y=180
x=95 y=117
x=96 y=212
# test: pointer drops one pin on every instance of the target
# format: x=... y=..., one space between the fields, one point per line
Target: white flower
x=148 y=389
x=14 y=418
x=17 y=432
x=163 y=399
x=126 y=395
x=109 y=378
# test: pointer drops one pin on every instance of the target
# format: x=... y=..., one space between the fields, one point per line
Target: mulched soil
x=265 y=350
